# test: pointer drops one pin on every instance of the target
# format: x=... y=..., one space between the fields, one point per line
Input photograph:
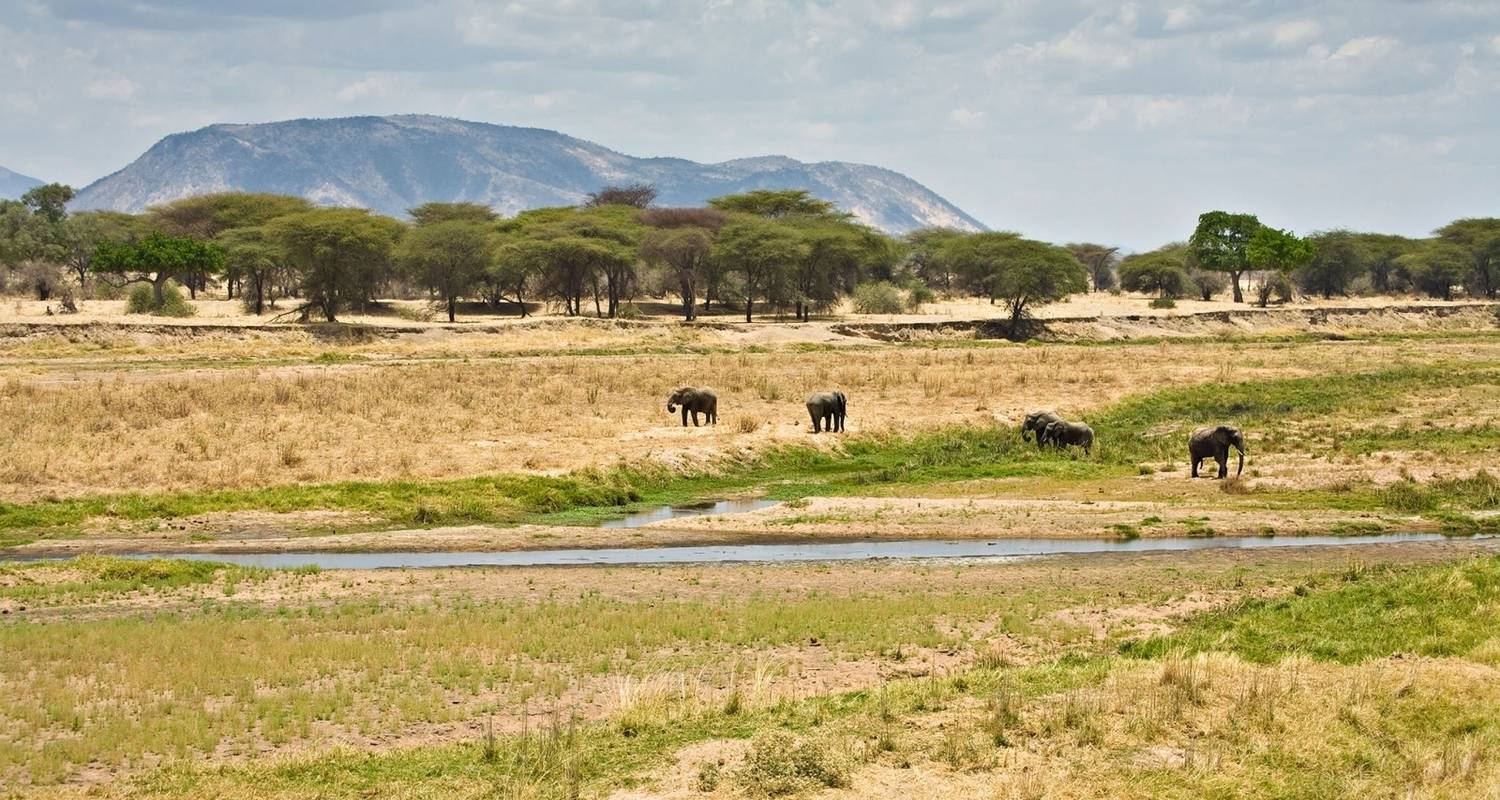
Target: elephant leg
x=1196 y=460
x=695 y=419
x=684 y=416
x=1223 y=466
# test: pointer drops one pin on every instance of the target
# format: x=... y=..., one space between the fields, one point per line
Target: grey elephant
x=827 y=410
x=1062 y=434
x=695 y=401
x=1034 y=423
x=1214 y=441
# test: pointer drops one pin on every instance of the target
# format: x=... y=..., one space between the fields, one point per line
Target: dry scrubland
x=1358 y=671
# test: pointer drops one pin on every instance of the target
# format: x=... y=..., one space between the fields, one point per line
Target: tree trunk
x=1234 y=280
x=158 y=286
x=451 y=302
x=748 y=305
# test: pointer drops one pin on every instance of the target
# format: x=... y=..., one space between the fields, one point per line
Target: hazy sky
x=1063 y=119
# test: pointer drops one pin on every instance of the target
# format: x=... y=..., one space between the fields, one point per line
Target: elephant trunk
x=671 y=407
x=1241 y=468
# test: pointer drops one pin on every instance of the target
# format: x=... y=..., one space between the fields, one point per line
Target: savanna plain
x=1348 y=670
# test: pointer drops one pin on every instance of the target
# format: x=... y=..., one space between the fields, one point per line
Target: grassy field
x=1213 y=670
x=1362 y=670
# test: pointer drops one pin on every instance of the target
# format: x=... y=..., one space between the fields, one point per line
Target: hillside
x=393 y=163
x=14 y=184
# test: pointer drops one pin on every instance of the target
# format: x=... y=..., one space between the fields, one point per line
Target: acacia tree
x=925 y=255
x=760 y=252
x=1022 y=273
x=431 y=213
x=1162 y=272
x=1336 y=262
x=837 y=255
x=156 y=259
x=253 y=255
x=682 y=239
x=572 y=249
x=776 y=204
x=1219 y=243
x=1435 y=266
x=1379 y=253
x=82 y=233
x=449 y=257
x=635 y=195
x=208 y=216
x=1100 y=260
x=1276 y=253
x=1480 y=239
x=340 y=255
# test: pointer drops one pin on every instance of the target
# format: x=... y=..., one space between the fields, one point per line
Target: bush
x=143 y=301
x=1163 y=302
x=1155 y=273
x=878 y=298
x=781 y=764
x=918 y=294
x=1208 y=281
x=1272 y=284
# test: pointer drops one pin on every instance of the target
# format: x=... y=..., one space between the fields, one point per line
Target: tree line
x=782 y=251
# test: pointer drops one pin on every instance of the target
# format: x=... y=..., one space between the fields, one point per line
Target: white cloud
x=966 y=117
x=1495 y=45
x=111 y=87
x=359 y=90
x=1181 y=18
x=1367 y=47
x=820 y=130
x=1158 y=110
x=1296 y=32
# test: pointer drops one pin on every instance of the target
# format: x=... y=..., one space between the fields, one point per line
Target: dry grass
x=233 y=428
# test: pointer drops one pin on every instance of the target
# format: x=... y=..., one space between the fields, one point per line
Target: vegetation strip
x=1136 y=431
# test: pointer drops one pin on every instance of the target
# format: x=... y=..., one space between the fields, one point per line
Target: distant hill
x=391 y=164
x=14 y=184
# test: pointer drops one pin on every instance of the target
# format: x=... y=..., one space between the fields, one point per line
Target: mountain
x=391 y=164
x=14 y=184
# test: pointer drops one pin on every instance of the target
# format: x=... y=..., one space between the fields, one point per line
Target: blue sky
x=1114 y=122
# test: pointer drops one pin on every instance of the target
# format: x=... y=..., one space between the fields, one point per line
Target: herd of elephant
x=828 y=409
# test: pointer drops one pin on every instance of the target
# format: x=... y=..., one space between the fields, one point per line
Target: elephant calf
x=827 y=410
x=1214 y=442
x=1062 y=434
x=695 y=401
x=1035 y=423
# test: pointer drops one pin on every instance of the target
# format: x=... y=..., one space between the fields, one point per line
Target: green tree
x=682 y=240
x=1162 y=272
x=209 y=216
x=1435 y=266
x=635 y=195
x=837 y=256
x=1379 y=253
x=1276 y=253
x=49 y=201
x=775 y=204
x=1022 y=273
x=82 y=233
x=433 y=213
x=1220 y=243
x=1100 y=260
x=251 y=256
x=926 y=258
x=761 y=252
x=156 y=259
x=1336 y=263
x=1480 y=239
x=339 y=254
x=448 y=257
x=572 y=250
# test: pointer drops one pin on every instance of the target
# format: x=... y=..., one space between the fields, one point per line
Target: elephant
x=695 y=401
x=1034 y=423
x=1061 y=434
x=827 y=410
x=1214 y=442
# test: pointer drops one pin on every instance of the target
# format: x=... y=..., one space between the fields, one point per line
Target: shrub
x=1155 y=273
x=918 y=294
x=881 y=297
x=143 y=301
x=1208 y=281
x=780 y=764
x=1163 y=302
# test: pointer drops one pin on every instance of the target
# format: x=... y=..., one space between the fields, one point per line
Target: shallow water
x=664 y=513
x=772 y=553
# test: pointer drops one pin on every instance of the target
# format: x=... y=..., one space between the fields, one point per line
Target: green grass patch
x=1436 y=611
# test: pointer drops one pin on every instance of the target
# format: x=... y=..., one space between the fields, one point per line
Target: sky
x=1065 y=120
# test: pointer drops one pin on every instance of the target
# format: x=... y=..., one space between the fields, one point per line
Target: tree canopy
x=1221 y=243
